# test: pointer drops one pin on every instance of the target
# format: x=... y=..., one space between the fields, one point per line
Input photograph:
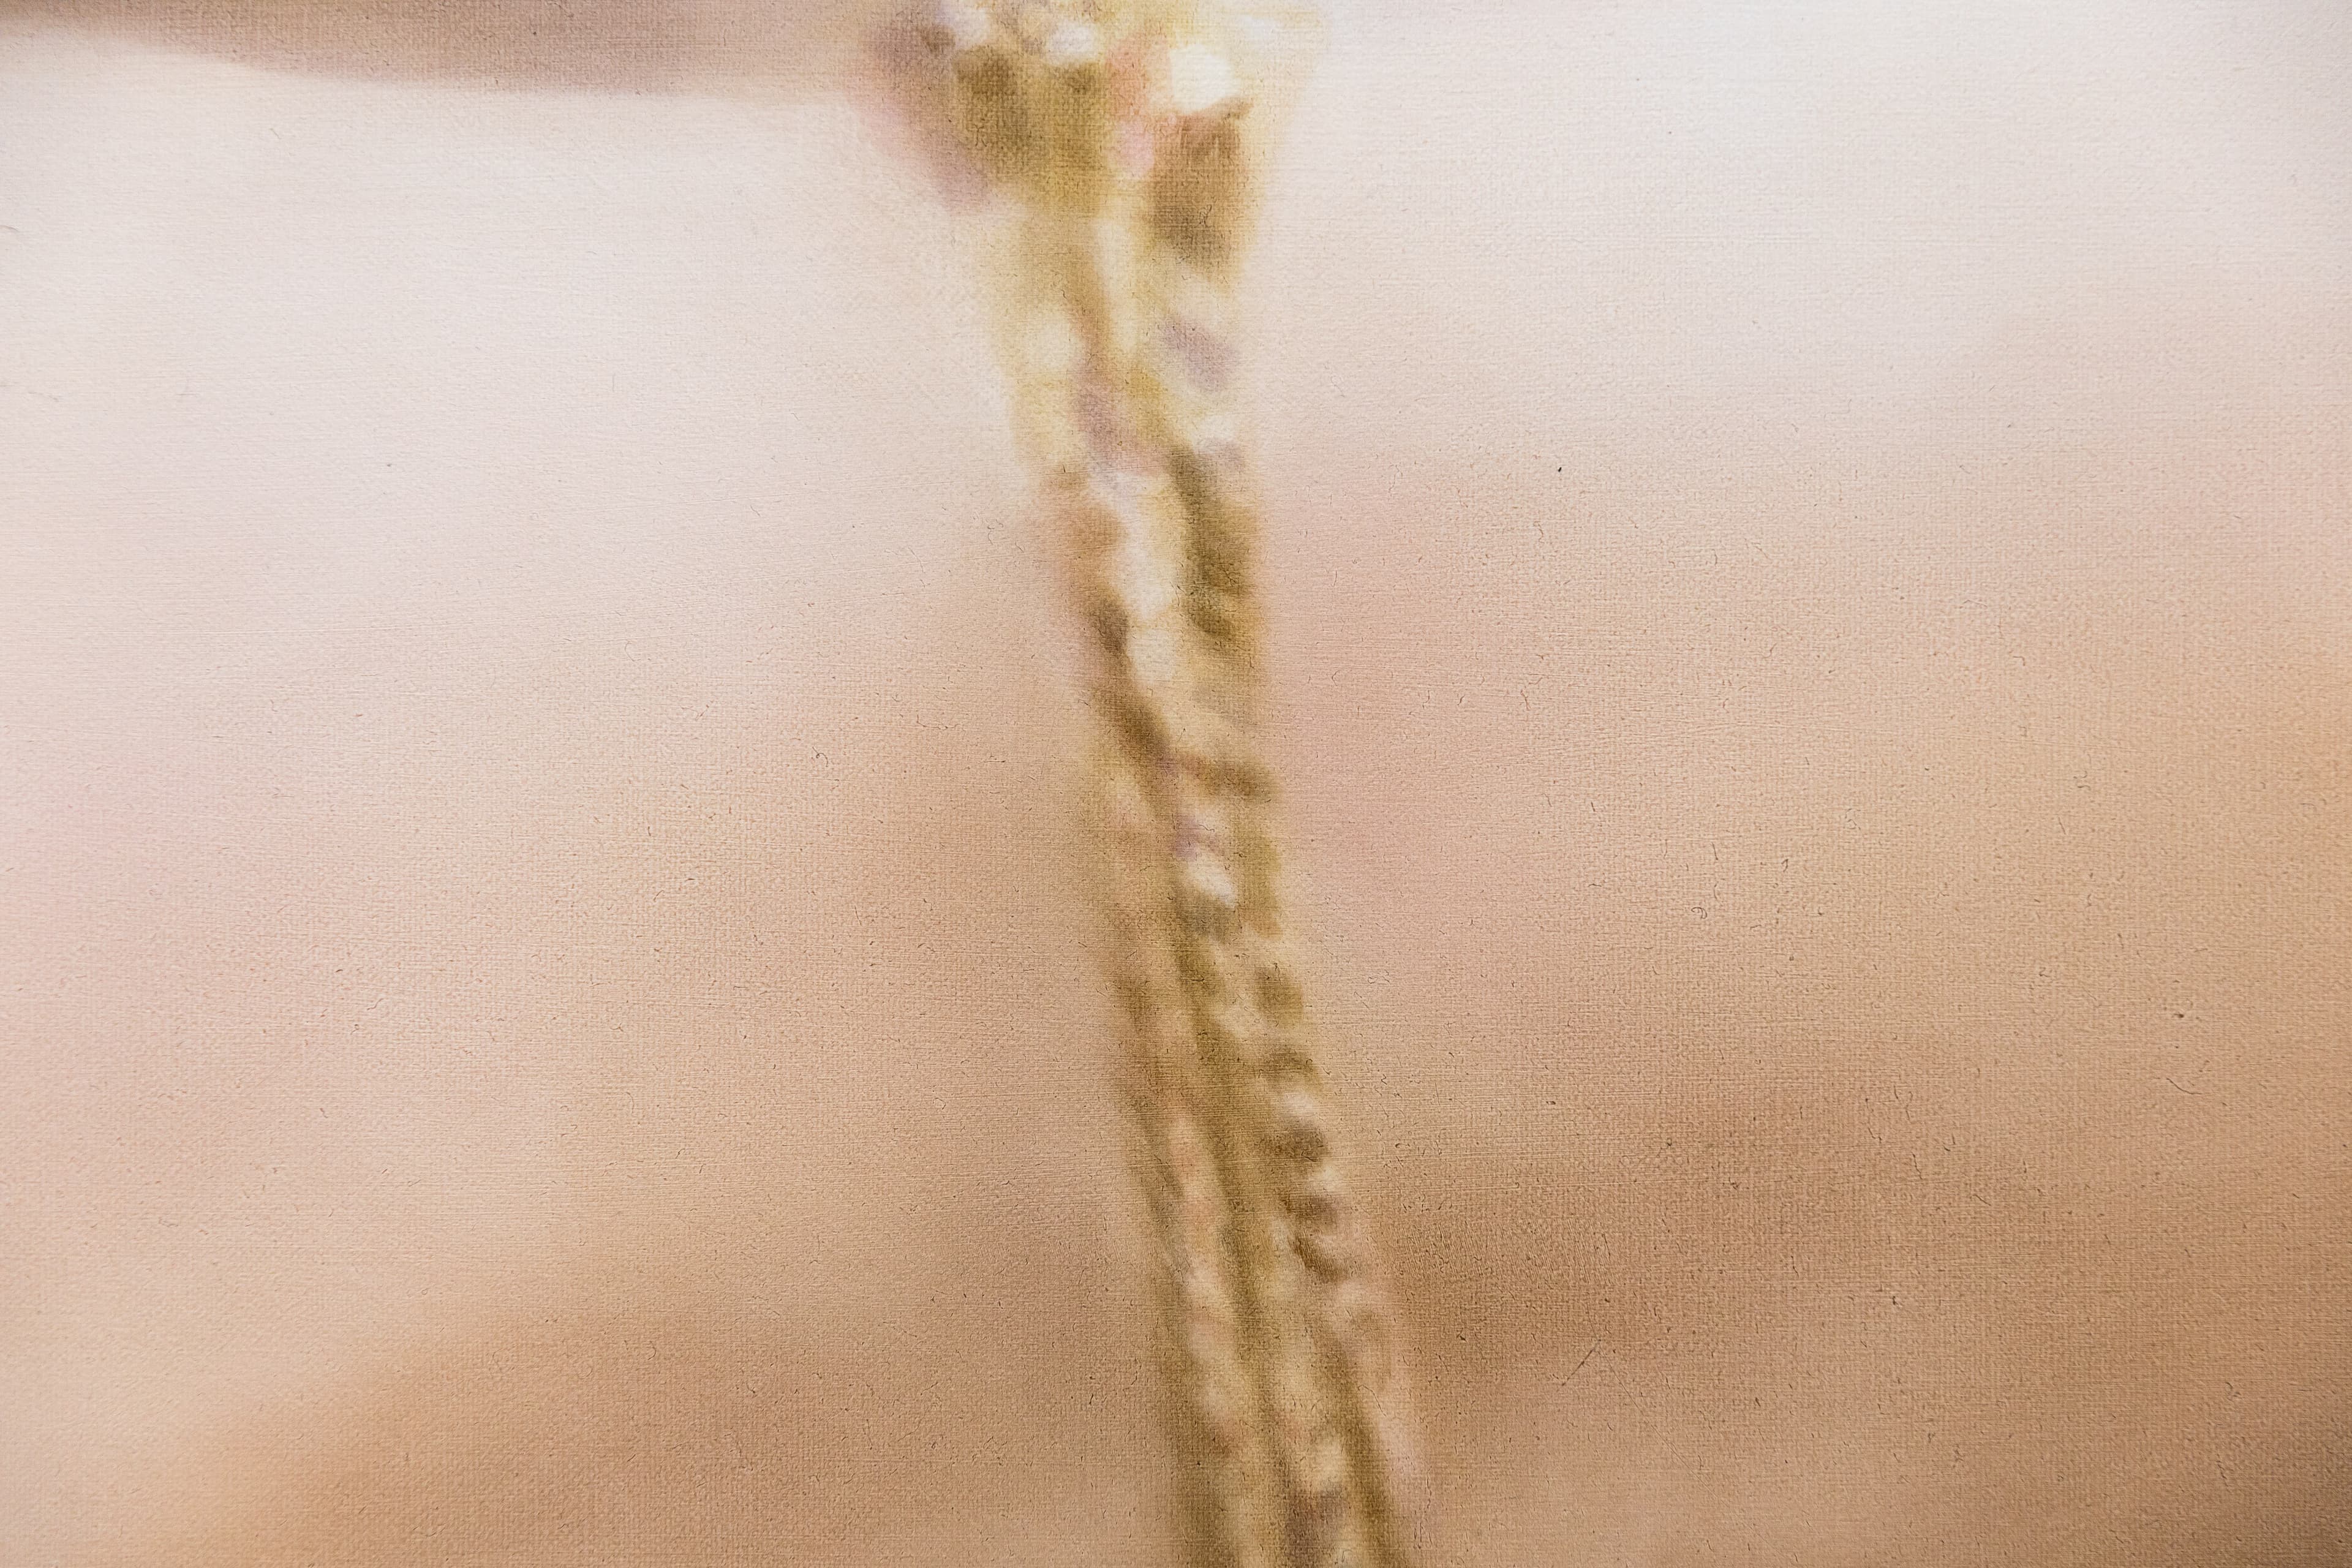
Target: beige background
x=542 y=1006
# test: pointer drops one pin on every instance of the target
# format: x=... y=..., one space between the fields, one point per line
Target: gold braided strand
x=1120 y=142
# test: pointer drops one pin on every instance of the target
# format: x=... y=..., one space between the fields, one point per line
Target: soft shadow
x=742 y=46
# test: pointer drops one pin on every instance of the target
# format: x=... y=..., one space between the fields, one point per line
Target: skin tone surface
x=548 y=1007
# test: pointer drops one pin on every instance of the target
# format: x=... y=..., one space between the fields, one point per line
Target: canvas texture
x=551 y=999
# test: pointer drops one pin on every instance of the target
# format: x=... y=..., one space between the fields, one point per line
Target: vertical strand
x=1118 y=139
x=1230 y=1497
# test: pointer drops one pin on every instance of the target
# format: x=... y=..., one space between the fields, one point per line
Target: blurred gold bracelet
x=1120 y=146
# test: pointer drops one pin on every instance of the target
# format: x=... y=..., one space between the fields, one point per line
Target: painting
x=1217 y=783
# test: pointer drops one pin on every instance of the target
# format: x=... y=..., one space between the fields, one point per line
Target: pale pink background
x=542 y=1014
